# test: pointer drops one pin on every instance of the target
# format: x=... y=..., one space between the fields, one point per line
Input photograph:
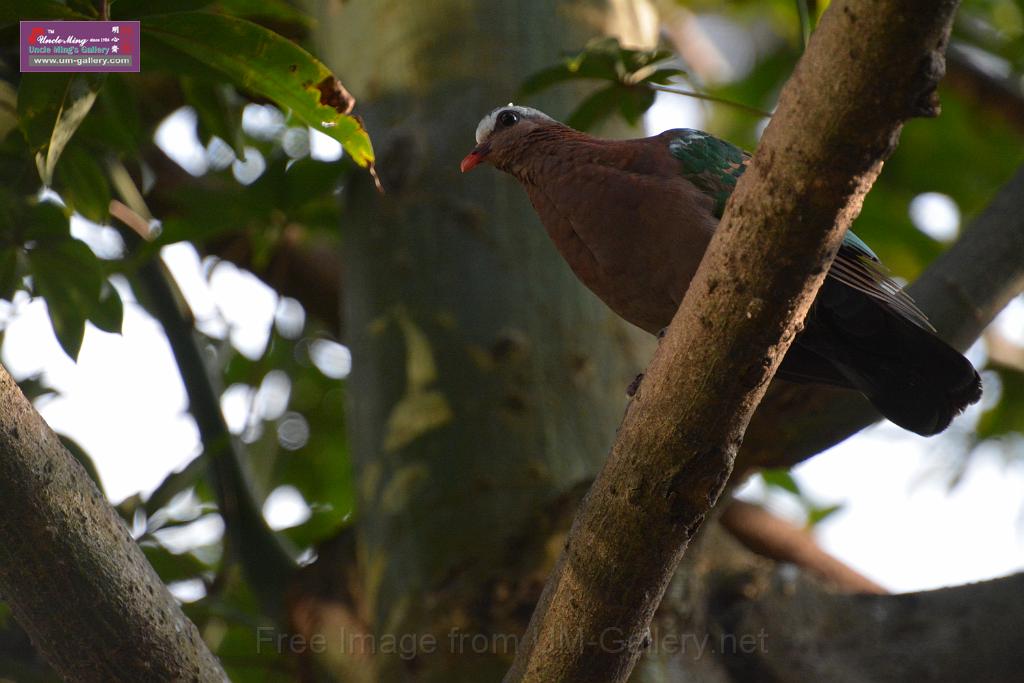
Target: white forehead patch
x=487 y=123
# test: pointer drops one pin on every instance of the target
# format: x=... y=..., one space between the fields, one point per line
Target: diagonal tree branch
x=868 y=67
x=71 y=573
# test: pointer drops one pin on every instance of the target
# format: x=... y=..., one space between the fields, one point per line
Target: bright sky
x=124 y=403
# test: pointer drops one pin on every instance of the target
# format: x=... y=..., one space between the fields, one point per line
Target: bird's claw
x=634 y=385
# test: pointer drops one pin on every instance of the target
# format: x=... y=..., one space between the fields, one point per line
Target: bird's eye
x=508 y=118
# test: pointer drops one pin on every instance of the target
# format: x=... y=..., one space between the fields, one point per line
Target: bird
x=633 y=219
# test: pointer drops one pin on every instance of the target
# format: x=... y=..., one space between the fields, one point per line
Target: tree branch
x=777 y=539
x=868 y=67
x=1001 y=96
x=73 y=577
x=961 y=291
x=963 y=633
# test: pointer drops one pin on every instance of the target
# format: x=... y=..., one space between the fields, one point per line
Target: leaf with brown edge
x=333 y=94
x=258 y=60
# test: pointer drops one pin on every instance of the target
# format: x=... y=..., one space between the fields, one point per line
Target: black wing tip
x=940 y=417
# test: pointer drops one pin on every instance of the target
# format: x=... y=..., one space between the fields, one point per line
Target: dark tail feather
x=926 y=392
x=912 y=377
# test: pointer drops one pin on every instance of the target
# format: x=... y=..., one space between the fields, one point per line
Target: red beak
x=477 y=156
x=471 y=160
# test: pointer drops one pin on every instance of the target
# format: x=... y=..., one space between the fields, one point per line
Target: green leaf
x=173 y=566
x=781 y=479
x=10 y=276
x=545 y=78
x=603 y=59
x=217 y=116
x=13 y=12
x=269 y=9
x=83 y=185
x=46 y=222
x=108 y=314
x=1007 y=416
x=136 y=9
x=630 y=91
x=8 y=109
x=115 y=120
x=595 y=108
x=87 y=8
x=39 y=97
x=51 y=107
x=70 y=277
x=634 y=101
x=261 y=61
x=175 y=483
x=309 y=181
x=35 y=387
x=816 y=515
x=663 y=76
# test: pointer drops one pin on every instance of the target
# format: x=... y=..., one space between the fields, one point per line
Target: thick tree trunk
x=965 y=633
x=486 y=382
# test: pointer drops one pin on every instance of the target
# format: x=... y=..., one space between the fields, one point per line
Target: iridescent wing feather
x=714 y=166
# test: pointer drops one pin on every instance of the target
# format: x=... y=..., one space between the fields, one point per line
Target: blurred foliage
x=782 y=481
x=630 y=75
x=88 y=139
x=69 y=144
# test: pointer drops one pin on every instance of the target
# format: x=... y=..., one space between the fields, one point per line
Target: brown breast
x=630 y=227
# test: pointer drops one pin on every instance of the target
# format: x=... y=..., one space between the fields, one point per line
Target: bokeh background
x=266 y=225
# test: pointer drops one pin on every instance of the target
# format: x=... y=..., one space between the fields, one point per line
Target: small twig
x=712 y=98
x=133 y=220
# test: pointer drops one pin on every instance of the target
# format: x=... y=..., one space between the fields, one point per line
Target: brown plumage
x=633 y=218
x=573 y=181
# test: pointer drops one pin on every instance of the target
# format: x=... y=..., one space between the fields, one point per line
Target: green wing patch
x=711 y=164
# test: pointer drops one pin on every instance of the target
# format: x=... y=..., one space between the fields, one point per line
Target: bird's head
x=501 y=132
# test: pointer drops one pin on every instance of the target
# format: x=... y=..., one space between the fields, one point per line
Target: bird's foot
x=662 y=332
x=634 y=386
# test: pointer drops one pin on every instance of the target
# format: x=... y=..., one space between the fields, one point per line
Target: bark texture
x=952 y=634
x=868 y=68
x=71 y=573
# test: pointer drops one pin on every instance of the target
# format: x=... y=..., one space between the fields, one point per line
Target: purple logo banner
x=80 y=46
